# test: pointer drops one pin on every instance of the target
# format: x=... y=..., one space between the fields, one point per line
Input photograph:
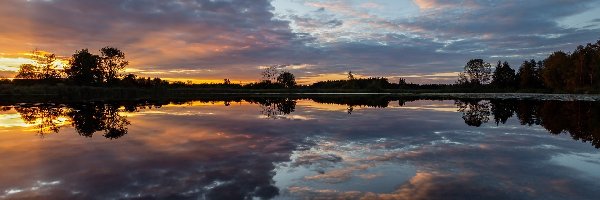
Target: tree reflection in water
x=274 y=108
x=46 y=118
x=475 y=112
x=87 y=119
x=577 y=118
x=241 y=167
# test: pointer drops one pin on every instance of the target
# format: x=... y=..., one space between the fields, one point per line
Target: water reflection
x=231 y=148
x=577 y=118
x=92 y=118
x=87 y=119
x=275 y=107
x=580 y=119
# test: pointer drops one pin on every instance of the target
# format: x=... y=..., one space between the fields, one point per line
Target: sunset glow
x=208 y=41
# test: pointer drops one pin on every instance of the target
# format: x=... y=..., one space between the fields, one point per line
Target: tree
x=84 y=68
x=557 y=71
x=503 y=76
x=350 y=75
x=129 y=80
x=45 y=62
x=586 y=61
x=402 y=82
x=530 y=74
x=270 y=73
x=113 y=62
x=43 y=68
x=287 y=79
x=28 y=71
x=477 y=72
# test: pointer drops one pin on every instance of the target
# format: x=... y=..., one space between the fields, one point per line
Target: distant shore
x=82 y=94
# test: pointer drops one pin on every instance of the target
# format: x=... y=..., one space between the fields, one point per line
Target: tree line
x=560 y=71
x=578 y=71
x=84 y=68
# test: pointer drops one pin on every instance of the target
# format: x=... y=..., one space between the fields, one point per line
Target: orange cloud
x=425 y=4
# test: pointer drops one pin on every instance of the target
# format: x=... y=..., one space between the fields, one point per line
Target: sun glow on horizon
x=12 y=63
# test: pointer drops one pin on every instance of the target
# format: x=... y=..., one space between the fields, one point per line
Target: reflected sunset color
x=299 y=99
x=329 y=147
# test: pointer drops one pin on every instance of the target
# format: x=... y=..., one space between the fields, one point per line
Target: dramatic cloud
x=211 y=151
x=215 y=39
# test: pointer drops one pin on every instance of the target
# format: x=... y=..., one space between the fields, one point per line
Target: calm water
x=284 y=148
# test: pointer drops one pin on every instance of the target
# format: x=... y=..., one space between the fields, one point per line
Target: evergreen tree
x=504 y=76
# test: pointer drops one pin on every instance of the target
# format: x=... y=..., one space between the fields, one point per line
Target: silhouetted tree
x=113 y=62
x=287 y=79
x=84 y=68
x=586 y=61
x=504 y=76
x=45 y=62
x=270 y=73
x=44 y=67
x=530 y=74
x=477 y=72
x=28 y=71
x=372 y=83
x=4 y=80
x=557 y=70
x=129 y=80
x=402 y=82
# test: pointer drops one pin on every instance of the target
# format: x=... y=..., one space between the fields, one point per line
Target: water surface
x=292 y=148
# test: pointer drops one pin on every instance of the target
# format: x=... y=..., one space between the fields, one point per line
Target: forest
x=560 y=72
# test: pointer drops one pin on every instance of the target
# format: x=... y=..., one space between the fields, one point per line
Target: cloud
x=154 y=33
x=427 y=4
x=441 y=40
x=225 y=36
x=179 y=151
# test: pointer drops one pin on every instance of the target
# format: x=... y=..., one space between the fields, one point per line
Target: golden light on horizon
x=13 y=119
x=12 y=63
x=9 y=66
x=206 y=81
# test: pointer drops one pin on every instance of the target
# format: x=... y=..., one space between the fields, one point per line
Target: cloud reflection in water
x=183 y=152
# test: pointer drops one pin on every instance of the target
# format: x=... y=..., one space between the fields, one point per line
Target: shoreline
x=83 y=94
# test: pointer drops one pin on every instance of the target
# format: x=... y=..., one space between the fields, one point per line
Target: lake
x=325 y=147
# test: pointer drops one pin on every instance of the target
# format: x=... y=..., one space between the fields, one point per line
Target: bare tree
x=270 y=73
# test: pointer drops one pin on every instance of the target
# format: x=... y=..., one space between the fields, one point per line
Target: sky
x=424 y=41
